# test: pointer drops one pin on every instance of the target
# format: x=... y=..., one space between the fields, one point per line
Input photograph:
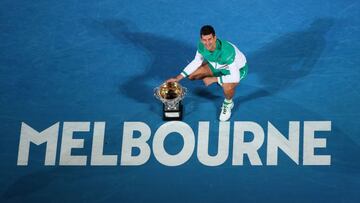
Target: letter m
x=29 y=135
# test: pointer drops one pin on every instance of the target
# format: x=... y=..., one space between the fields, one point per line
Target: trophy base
x=175 y=114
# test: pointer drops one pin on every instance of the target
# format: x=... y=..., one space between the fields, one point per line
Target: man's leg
x=202 y=72
x=228 y=104
x=210 y=80
x=229 y=90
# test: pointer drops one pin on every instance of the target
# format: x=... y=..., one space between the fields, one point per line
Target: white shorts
x=235 y=74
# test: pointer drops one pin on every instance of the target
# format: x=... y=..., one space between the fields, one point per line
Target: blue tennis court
x=96 y=63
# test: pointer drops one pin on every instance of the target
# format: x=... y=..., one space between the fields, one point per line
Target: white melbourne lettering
x=241 y=147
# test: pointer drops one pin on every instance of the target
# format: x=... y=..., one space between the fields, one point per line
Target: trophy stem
x=173 y=114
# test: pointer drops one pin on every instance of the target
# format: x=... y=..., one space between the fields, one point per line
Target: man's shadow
x=167 y=56
x=286 y=59
x=278 y=64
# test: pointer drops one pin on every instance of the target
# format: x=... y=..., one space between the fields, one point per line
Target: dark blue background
x=100 y=60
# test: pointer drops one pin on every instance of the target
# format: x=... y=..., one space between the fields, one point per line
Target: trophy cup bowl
x=171 y=94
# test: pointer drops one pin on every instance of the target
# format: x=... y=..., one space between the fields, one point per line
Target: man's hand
x=171 y=80
x=176 y=79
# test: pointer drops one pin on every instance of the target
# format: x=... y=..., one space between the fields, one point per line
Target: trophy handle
x=156 y=90
x=184 y=92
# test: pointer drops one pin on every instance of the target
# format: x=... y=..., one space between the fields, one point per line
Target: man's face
x=209 y=41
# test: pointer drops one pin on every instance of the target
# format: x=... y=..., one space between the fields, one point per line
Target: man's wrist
x=179 y=77
x=184 y=74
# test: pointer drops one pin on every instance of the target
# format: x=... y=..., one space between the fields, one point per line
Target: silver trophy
x=171 y=94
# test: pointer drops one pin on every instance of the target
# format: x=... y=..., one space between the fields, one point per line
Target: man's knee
x=192 y=77
x=229 y=86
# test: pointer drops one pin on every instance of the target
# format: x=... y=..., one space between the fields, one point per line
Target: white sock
x=228 y=101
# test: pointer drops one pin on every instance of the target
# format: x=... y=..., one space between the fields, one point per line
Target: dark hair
x=206 y=30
